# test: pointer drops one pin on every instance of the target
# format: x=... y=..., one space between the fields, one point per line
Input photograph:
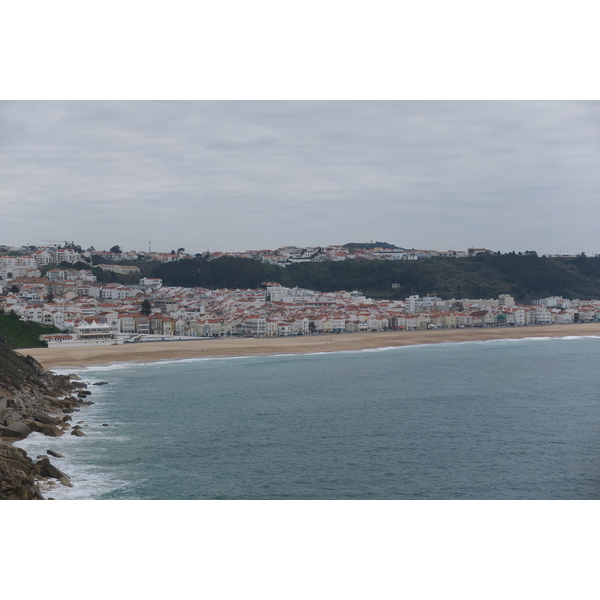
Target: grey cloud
x=262 y=174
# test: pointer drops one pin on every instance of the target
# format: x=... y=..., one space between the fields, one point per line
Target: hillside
x=23 y=334
x=525 y=276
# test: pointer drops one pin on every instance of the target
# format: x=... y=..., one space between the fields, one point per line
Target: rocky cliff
x=32 y=399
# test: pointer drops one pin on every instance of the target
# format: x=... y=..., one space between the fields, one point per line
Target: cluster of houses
x=27 y=266
x=288 y=255
x=87 y=312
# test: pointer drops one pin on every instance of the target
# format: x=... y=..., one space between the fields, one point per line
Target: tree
x=81 y=266
x=74 y=246
x=50 y=297
x=180 y=250
x=146 y=308
x=115 y=250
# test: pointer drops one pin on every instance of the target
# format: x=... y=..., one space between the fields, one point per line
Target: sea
x=488 y=420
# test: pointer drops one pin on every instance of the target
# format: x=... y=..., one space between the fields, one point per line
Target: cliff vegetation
x=525 y=276
x=23 y=334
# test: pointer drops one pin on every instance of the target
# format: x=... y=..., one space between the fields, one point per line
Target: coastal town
x=88 y=312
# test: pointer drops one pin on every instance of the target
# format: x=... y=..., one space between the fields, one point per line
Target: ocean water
x=505 y=419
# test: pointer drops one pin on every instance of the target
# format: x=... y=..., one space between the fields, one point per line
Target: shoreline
x=81 y=357
x=34 y=401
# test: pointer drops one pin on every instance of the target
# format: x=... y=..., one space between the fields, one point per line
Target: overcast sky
x=238 y=175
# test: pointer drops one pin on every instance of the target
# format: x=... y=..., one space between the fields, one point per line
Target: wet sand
x=154 y=351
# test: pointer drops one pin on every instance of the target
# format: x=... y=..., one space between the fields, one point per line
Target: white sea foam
x=67 y=371
x=89 y=481
x=421 y=346
x=158 y=363
x=86 y=486
x=162 y=362
x=409 y=347
x=532 y=339
x=418 y=347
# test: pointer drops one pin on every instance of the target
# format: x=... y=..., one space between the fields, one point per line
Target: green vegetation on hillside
x=224 y=272
x=64 y=265
x=23 y=334
x=370 y=246
x=15 y=370
x=525 y=276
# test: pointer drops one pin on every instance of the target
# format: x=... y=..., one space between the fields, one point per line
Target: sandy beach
x=154 y=351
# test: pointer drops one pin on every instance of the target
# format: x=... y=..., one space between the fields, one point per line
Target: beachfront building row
x=277 y=323
x=272 y=311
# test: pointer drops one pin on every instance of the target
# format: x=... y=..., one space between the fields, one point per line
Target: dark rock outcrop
x=32 y=399
x=17 y=475
x=45 y=468
x=17 y=430
x=44 y=418
x=51 y=430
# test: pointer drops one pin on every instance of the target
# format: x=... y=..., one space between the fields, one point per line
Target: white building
x=152 y=283
x=506 y=300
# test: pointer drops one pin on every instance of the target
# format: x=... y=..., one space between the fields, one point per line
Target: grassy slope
x=15 y=370
x=23 y=334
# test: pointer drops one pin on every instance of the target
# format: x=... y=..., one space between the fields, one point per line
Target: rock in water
x=43 y=417
x=46 y=469
x=50 y=430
